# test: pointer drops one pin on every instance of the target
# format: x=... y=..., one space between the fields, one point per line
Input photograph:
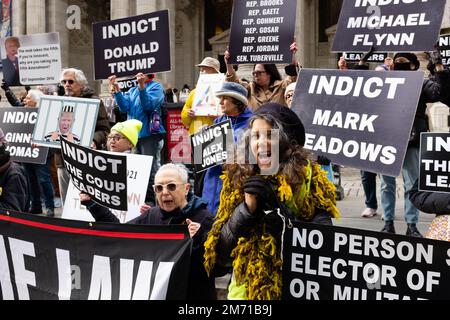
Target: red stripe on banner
x=108 y=234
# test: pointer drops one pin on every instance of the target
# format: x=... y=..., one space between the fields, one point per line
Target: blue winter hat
x=233 y=90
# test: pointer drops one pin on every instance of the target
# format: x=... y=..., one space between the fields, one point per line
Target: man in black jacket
x=432 y=91
x=176 y=205
x=14 y=188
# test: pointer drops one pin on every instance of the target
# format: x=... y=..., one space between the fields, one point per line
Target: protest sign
x=444 y=47
x=125 y=47
x=55 y=259
x=210 y=145
x=31 y=59
x=71 y=118
x=102 y=176
x=360 y=119
x=388 y=25
x=205 y=101
x=357 y=56
x=262 y=31
x=178 y=139
x=138 y=174
x=18 y=125
x=332 y=263
x=434 y=162
x=126 y=85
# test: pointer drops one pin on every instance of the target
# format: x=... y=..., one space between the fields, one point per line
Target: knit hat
x=233 y=90
x=210 y=62
x=410 y=56
x=130 y=129
x=291 y=123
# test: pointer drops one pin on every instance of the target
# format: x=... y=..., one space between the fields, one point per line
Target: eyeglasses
x=258 y=73
x=68 y=81
x=115 y=138
x=171 y=187
x=289 y=95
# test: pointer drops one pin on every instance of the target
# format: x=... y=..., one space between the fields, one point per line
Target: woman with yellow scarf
x=258 y=199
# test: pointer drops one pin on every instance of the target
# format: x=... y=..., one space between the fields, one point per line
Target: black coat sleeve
x=12 y=99
x=430 y=202
x=237 y=226
x=14 y=195
x=100 y=213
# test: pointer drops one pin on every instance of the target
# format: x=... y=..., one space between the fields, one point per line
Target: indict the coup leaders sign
x=125 y=47
x=262 y=31
x=360 y=119
x=388 y=25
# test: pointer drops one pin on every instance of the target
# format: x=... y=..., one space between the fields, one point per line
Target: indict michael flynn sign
x=53 y=259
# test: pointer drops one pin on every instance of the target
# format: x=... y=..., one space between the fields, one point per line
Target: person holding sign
x=14 y=187
x=176 y=205
x=233 y=103
x=435 y=203
x=431 y=92
x=267 y=85
x=254 y=208
x=188 y=117
x=144 y=103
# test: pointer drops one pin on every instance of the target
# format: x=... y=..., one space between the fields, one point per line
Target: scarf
x=257 y=259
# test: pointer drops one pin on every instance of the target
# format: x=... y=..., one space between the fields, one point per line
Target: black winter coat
x=200 y=286
x=430 y=202
x=14 y=188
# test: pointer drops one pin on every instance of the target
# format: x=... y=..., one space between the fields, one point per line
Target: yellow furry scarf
x=257 y=260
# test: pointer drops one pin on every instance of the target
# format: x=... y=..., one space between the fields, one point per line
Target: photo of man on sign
x=65 y=120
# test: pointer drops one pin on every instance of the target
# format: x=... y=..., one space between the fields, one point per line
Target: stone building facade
x=198 y=28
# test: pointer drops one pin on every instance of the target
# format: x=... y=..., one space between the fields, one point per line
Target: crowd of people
x=235 y=213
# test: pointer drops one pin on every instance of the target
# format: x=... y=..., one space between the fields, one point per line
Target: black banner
x=100 y=175
x=434 y=162
x=388 y=25
x=357 y=56
x=52 y=259
x=18 y=126
x=209 y=146
x=262 y=31
x=360 y=119
x=333 y=263
x=128 y=46
x=444 y=46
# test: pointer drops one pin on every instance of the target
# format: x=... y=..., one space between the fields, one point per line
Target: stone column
x=120 y=9
x=57 y=22
x=145 y=6
x=18 y=17
x=36 y=16
x=306 y=31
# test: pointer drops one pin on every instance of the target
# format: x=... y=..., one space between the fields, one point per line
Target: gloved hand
x=61 y=90
x=4 y=85
x=263 y=190
x=323 y=161
x=367 y=55
x=27 y=88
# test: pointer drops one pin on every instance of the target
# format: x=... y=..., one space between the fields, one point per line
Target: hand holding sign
x=193 y=227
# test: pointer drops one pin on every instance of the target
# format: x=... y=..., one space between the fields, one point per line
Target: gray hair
x=79 y=76
x=35 y=95
x=181 y=169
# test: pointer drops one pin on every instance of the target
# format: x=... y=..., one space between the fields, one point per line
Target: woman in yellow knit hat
x=124 y=136
x=258 y=199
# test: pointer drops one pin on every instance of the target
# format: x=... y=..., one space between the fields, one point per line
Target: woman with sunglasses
x=257 y=200
x=176 y=205
x=267 y=85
